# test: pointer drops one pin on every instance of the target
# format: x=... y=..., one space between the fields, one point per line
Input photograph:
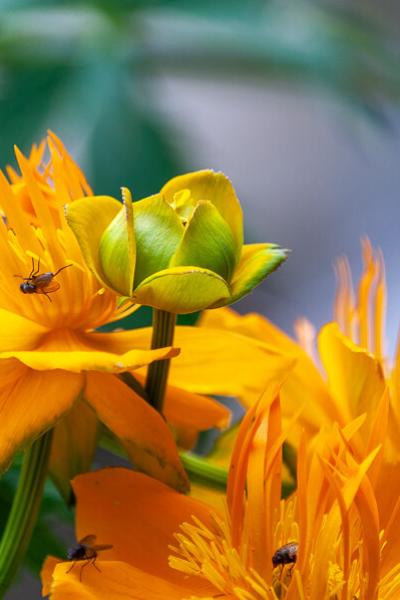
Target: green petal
x=207 y=242
x=257 y=261
x=215 y=187
x=117 y=249
x=158 y=232
x=88 y=218
x=182 y=290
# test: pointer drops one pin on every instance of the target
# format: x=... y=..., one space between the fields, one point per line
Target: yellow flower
x=54 y=364
x=180 y=250
x=337 y=548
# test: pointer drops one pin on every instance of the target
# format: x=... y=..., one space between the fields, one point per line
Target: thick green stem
x=200 y=470
x=24 y=510
x=157 y=374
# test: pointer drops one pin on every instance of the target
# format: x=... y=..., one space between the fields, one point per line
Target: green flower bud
x=180 y=250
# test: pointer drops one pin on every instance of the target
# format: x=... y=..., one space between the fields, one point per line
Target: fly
x=40 y=283
x=86 y=549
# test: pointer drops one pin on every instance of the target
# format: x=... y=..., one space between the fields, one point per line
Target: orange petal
x=73 y=446
x=137 y=515
x=116 y=581
x=142 y=430
x=31 y=405
x=46 y=574
x=189 y=410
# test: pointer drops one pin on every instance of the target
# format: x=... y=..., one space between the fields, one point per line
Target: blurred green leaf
x=84 y=68
x=54 y=519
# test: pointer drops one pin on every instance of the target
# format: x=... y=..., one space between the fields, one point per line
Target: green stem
x=157 y=374
x=202 y=471
x=24 y=510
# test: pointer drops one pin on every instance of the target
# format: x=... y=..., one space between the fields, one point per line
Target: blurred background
x=297 y=102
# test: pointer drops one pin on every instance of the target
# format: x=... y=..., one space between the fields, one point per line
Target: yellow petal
x=32 y=405
x=304 y=386
x=213 y=361
x=88 y=218
x=141 y=429
x=220 y=362
x=215 y=187
x=19 y=333
x=355 y=377
x=73 y=446
x=78 y=361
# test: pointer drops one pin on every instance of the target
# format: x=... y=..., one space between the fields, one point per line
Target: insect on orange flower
x=86 y=550
x=285 y=555
x=40 y=283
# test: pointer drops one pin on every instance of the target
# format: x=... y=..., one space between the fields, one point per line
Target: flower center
x=184 y=205
x=208 y=553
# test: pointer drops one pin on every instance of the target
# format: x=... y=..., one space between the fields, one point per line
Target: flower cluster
x=321 y=412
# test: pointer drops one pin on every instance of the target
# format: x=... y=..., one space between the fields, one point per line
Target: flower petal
x=78 y=361
x=117 y=249
x=256 y=262
x=182 y=290
x=215 y=187
x=141 y=429
x=73 y=446
x=355 y=377
x=117 y=581
x=189 y=410
x=304 y=386
x=88 y=218
x=31 y=405
x=19 y=333
x=158 y=231
x=213 y=361
x=142 y=516
x=207 y=242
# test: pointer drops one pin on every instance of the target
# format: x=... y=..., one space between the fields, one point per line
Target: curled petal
x=182 y=290
x=158 y=231
x=207 y=242
x=256 y=262
x=88 y=218
x=215 y=187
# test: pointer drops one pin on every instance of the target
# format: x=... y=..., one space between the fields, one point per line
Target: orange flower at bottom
x=166 y=545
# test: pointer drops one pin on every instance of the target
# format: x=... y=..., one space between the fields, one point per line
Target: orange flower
x=337 y=547
x=357 y=380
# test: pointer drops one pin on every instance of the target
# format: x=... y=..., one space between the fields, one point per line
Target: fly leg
x=60 y=269
x=71 y=567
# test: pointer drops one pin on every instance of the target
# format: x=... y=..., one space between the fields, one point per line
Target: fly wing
x=44 y=288
x=88 y=540
x=99 y=547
